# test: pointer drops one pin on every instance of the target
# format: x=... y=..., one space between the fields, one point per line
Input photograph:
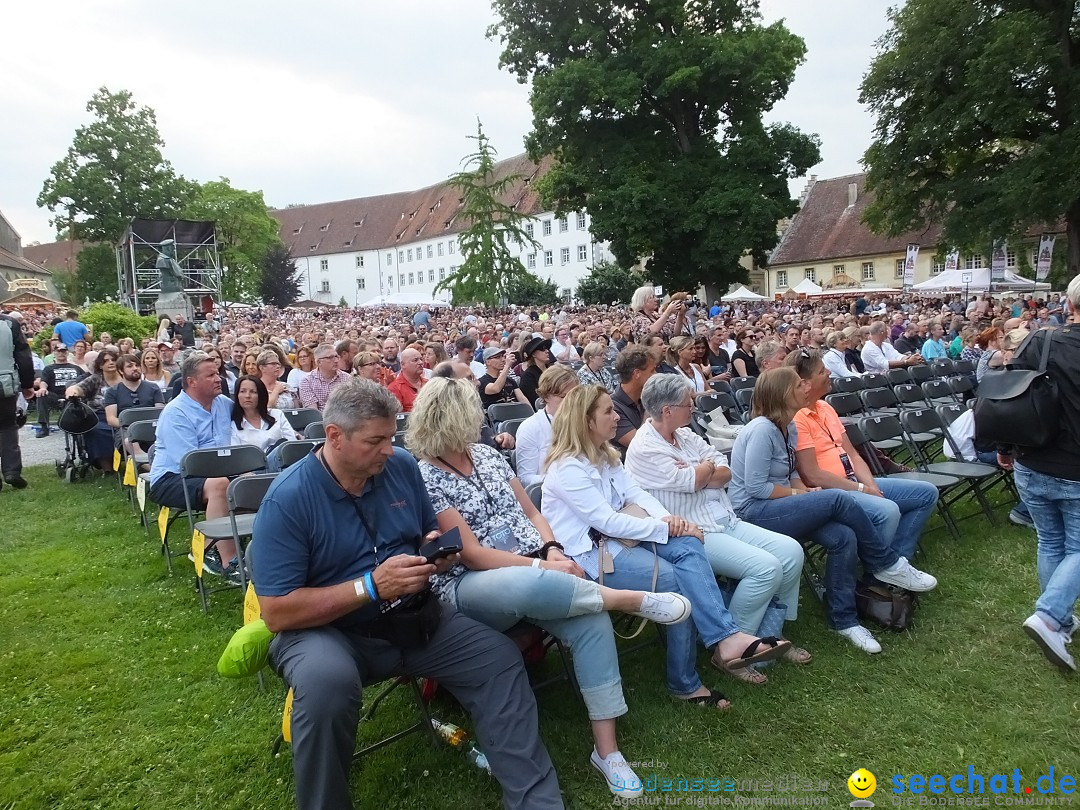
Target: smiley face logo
x=862 y=784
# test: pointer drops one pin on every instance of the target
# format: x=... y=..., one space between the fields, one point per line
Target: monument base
x=173 y=304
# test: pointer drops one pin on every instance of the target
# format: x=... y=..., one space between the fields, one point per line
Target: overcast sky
x=330 y=99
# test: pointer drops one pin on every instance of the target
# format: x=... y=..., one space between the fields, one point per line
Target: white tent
x=807 y=287
x=404 y=300
x=742 y=294
x=953 y=281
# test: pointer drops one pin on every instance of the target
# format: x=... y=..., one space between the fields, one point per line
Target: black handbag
x=885 y=605
x=1019 y=406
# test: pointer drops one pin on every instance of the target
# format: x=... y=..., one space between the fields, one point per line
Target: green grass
x=110 y=697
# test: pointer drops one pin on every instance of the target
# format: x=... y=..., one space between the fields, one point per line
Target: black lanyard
x=477 y=483
x=355 y=501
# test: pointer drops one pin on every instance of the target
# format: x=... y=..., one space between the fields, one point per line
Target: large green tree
x=652 y=113
x=530 y=290
x=245 y=230
x=607 y=283
x=494 y=231
x=978 y=120
x=279 y=278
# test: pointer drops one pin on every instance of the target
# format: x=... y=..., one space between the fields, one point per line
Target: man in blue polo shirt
x=334 y=546
x=70 y=330
x=200 y=416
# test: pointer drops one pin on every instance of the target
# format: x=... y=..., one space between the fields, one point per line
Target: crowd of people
x=602 y=497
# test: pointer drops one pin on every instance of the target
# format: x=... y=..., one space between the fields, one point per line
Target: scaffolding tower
x=196 y=253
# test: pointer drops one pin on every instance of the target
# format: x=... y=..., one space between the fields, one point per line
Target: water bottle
x=449 y=733
x=477 y=758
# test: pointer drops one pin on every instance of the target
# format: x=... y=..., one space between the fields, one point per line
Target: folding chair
x=920 y=374
x=909 y=395
x=874 y=381
x=744 y=398
x=848 y=385
x=878 y=429
x=144 y=434
x=315 y=431
x=972 y=475
x=505 y=411
x=720 y=386
x=399 y=440
x=898 y=376
x=244 y=496
x=509 y=426
x=723 y=401
x=288 y=453
x=739 y=383
x=949 y=414
x=846 y=405
x=880 y=401
x=402 y=420
x=964 y=367
x=126 y=419
x=535 y=493
x=942 y=367
x=962 y=388
x=938 y=392
x=216 y=462
x=535 y=643
x=300 y=418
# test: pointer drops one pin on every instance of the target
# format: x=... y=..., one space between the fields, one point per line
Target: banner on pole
x=952 y=260
x=909 y=264
x=997 y=261
x=1046 y=252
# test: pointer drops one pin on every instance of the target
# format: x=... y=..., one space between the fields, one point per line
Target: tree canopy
x=113 y=171
x=608 y=283
x=978 y=120
x=652 y=113
x=492 y=238
x=279 y=278
x=245 y=230
x=529 y=290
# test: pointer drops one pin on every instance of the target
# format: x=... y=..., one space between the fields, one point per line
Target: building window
x=431 y=275
x=546 y=227
x=325 y=286
x=1010 y=258
x=973 y=262
x=549 y=259
x=409 y=254
x=529 y=229
x=868 y=271
x=442 y=273
x=401 y=257
x=810 y=273
x=453 y=269
x=900 y=268
x=324 y=264
x=564 y=256
x=440 y=247
x=401 y=280
x=838 y=269
x=781 y=279
x=361 y=283
x=412 y=279
x=938 y=268
x=359 y=261
x=430 y=252
x=564 y=224
x=451 y=246
x=566 y=293
x=390 y=281
x=581 y=220
x=389 y=258
x=582 y=253
x=530 y=261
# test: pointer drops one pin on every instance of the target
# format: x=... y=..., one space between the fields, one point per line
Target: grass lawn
x=110 y=696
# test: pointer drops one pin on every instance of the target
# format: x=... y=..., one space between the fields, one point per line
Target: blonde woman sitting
x=512 y=567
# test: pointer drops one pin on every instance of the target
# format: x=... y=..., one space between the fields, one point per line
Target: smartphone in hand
x=443 y=546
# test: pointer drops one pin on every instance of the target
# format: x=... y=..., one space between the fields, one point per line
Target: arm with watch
x=811 y=473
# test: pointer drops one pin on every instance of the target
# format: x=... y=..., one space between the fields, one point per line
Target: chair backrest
x=300 y=418
x=898 y=376
x=739 y=383
x=289 y=453
x=920 y=374
x=720 y=399
x=949 y=413
x=936 y=389
x=720 y=386
x=878 y=398
x=909 y=394
x=863 y=446
x=247 y=492
x=538 y=404
x=744 y=398
x=942 y=367
x=535 y=493
x=133 y=415
x=921 y=420
x=510 y=426
x=399 y=440
x=964 y=366
x=872 y=381
x=316 y=430
x=222 y=462
x=845 y=404
x=143 y=433
x=503 y=411
x=881 y=428
x=848 y=385
x=960 y=385
x=402 y=422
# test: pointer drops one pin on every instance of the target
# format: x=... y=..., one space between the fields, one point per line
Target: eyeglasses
x=328 y=357
x=682 y=405
x=365 y=365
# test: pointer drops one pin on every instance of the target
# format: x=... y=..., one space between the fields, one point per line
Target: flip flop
x=747 y=675
x=774 y=648
x=710 y=701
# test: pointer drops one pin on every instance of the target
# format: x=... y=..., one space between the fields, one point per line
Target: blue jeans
x=568 y=607
x=683 y=568
x=766 y=565
x=1055 y=507
x=836 y=522
x=902 y=513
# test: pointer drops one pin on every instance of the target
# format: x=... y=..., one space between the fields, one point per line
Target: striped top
x=666 y=472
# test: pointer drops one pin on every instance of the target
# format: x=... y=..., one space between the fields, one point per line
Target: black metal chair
x=720 y=386
x=938 y=392
x=316 y=430
x=744 y=398
x=879 y=401
x=898 y=376
x=962 y=388
x=739 y=383
x=942 y=367
x=288 y=453
x=300 y=418
x=725 y=402
x=874 y=381
x=848 y=385
x=846 y=404
x=949 y=414
x=509 y=426
x=920 y=374
x=143 y=434
x=964 y=367
x=505 y=411
x=909 y=395
x=402 y=422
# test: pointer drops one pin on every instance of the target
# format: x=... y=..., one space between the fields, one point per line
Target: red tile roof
x=826 y=227
x=55 y=255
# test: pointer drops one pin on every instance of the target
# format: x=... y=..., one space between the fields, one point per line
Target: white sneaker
x=1052 y=642
x=1073 y=628
x=903 y=574
x=621 y=779
x=861 y=638
x=663 y=608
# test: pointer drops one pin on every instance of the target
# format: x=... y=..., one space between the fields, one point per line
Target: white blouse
x=264 y=435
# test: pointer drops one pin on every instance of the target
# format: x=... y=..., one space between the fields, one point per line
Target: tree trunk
x=1072 y=235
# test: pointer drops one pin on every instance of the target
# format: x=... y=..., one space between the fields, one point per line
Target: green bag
x=246 y=652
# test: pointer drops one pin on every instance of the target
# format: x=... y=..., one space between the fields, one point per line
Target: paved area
x=40 y=451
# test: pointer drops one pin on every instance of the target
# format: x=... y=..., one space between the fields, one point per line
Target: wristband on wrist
x=547 y=547
x=369 y=585
x=536 y=562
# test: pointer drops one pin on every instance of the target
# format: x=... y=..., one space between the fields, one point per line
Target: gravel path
x=40 y=451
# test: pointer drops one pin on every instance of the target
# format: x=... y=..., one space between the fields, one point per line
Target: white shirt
x=579 y=496
x=532 y=443
x=564 y=354
x=666 y=472
x=264 y=435
x=876 y=359
x=963 y=433
x=296 y=376
x=834 y=362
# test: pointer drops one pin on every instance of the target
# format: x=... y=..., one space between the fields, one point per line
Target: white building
x=408 y=241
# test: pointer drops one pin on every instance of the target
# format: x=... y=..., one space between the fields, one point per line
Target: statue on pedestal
x=172 y=279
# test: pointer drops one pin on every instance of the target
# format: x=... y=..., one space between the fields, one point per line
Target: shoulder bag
x=1019 y=406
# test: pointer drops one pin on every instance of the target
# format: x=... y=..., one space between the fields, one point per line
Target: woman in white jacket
x=585 y=489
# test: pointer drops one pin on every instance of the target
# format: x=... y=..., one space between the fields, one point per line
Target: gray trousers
x=482 y=668
x=10 y=452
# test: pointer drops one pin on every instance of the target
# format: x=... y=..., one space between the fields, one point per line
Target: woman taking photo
x=588 y=494
x=254 y=422
x=534 y=434
x=594 y=372
x=652 y=319
x=766 y=490
x=512 y=568
x=680 y=355
x=742 y=360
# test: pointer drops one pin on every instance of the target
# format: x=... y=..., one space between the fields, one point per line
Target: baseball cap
x=60 y=347
x=163 y=344
x=493 y=351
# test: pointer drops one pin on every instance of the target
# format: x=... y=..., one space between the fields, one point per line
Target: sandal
x=710 y=701
x=773 y=648
x=747 y=675
x=797 y=655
